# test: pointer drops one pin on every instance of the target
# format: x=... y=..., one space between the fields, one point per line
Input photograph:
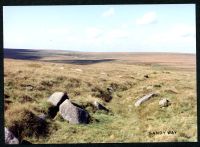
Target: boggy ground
x=28 y=84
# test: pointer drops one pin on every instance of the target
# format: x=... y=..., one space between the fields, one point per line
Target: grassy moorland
x=28 y=84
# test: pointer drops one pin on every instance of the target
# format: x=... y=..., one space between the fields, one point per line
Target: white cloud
x=183 y=30
x=117 y=34
x=101 y=36
x=147 y=18
x=124 y=26
x=108 y=13
x=58 y=31
x=179 y=32
x=93 y=32
x=179 y=37
x=16 y=39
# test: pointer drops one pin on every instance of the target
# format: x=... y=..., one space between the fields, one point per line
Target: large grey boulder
x=10 y=138
x=73 y=114
x=57 y=98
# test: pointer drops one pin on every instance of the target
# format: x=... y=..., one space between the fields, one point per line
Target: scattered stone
x=73 y=114
x=42 y=116
x=110 y=89
x=10 y=138
x=57 y=98
x=144 y=98
x=79 y=70
x=146 y=76
x=27 y=86
x=99 y=106
x=164 y=102
x=103 y=73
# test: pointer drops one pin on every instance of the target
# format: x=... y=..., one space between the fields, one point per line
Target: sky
x=101 y=28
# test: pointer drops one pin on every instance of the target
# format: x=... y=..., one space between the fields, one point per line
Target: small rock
x=164 y=102
x=103 y=73
x=57 y=98
x=79 y=70
x=99 y=106
x=110 y=89
x=10 y=138
x=73 y=114
x=42 y=116
x=27 y=86
x=146 y=76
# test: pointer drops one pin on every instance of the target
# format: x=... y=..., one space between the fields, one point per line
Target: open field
x=31 y=76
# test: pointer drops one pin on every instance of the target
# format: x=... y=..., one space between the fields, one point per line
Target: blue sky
x=103 y=28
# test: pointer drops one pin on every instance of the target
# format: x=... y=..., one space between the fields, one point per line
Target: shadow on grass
x=28 y=54
x=22 y=54
x=81 y=62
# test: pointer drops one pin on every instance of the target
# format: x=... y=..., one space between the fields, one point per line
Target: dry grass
x=23 y=122
x=30 y=83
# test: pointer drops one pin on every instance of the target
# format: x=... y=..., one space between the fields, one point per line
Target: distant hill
x=84 y=58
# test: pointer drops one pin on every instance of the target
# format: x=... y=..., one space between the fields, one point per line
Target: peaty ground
x=28 y=84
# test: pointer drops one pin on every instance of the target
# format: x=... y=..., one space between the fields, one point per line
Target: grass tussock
x=23 y=122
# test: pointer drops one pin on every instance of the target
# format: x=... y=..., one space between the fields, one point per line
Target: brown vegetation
x=117 y=85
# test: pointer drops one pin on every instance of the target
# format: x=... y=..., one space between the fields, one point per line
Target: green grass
x=124 y=122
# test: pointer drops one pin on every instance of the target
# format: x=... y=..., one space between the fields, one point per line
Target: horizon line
x=103 y=51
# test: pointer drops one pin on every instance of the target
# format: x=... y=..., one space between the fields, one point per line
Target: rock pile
x=71 y=112
x=55 y=100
